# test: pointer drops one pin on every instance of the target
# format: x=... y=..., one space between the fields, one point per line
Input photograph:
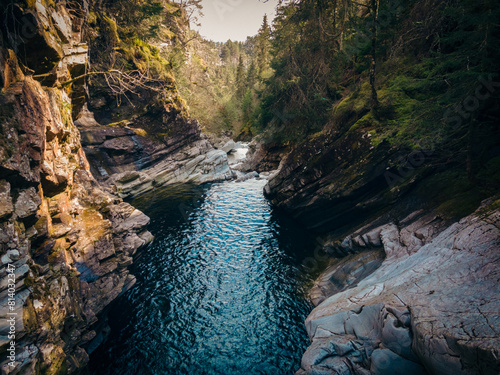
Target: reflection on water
x=217 y=291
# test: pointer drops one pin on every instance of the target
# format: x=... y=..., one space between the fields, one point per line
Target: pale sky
x=234 y=19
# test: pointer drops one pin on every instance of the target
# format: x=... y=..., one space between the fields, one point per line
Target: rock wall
x=132 y=161
x=432 y=306
x=413 y=291
x=264 y=157
x=334 y=180
x=65 y=244
x=140 y=136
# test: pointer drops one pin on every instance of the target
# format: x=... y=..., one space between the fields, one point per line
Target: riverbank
x=413 y=283
x=431 y=306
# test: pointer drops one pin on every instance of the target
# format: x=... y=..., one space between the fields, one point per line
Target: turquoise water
x=220 y=291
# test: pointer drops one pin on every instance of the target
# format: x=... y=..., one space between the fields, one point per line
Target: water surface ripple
x=217 y=291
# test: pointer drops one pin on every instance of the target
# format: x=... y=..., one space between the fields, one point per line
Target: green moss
x=47 y=3
x=199 y=61
x=65 y=110
x=413 y=99
x=164 y=134
x=29 y=281
x=176 y=103
x=452 y=193
x=110 y=29
x=351 y=103
x=92 y=19
x=245 y=133
x=29 y=316
x=367 y=122
x=147 y=58
x=495 y=205
x=140 y=132
x=461 y=205
x=57 y=360
x=120 y=124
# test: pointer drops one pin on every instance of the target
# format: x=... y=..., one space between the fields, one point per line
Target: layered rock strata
x=133 y=163
x=264 y=157
x=65 y=244
x=412 y=292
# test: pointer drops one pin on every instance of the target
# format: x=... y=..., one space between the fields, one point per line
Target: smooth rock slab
x=211 y=166
x=437 y=305
x=229 y=146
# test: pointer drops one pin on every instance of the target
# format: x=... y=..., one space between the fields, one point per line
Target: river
x=219 y=291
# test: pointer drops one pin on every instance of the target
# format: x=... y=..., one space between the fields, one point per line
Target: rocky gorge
x=132 y=164
x=65 y=231
x=409 y=252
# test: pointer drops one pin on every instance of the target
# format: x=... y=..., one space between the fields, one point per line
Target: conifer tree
x=263 y=46
x=252 y=75
x=240 y=79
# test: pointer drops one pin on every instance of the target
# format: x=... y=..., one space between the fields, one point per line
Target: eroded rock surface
x=134 y=163
x=433 y=305
x=334 y=180
x=263 y=157
x=68 y=242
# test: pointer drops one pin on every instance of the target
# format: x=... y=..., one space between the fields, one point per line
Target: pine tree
x=263 y=46
x=373 y=51
x=240 y=79
x=247 y=107
x=252 y=75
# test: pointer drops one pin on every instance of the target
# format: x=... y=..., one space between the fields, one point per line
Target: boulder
x=264 y=157
x=229 y=147
x=86 y=118
x=119 y=145
x=247 y=176
x=345 y=273
x=27 y=203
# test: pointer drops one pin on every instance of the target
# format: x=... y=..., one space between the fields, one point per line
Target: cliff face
x=67 y=242
x=413 y=288
x=332 y=180
x=136 y=129
x=132 y=160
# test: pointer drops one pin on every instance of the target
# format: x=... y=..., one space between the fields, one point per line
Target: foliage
x=129 y=37
x=429 y=56
x=222 y=82
x=397 y=70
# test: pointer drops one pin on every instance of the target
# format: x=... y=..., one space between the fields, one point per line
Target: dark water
x=218 y=291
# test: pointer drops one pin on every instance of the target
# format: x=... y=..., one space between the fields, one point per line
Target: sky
x=233 y=19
